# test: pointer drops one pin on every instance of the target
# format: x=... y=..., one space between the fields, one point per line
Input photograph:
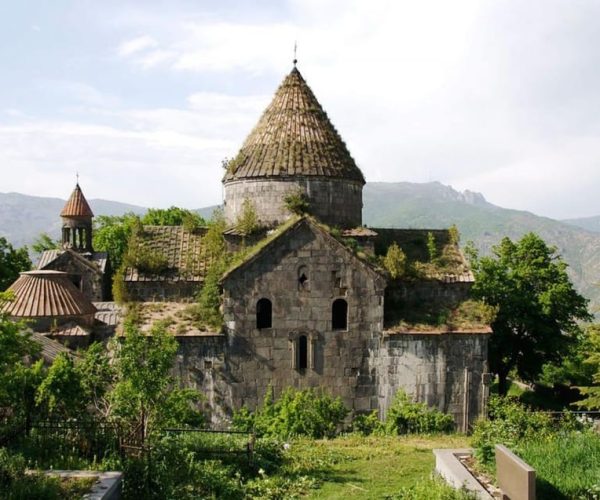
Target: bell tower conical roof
x=77 y=205
x=77 y=225
x=294 y=137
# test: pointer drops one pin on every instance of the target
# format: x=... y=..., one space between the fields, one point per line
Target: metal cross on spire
x=77 y=176
x=295 y=50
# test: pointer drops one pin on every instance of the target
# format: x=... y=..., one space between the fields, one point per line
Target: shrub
x=297 y=202
x=247 y=221
x=296 y=413
x=431 y=247
x=395 y=261
x=407 y=417
x=509 y=423
x=367 y=424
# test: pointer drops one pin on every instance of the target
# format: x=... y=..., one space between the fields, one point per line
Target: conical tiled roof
x=293 y=137
x=46 y=293
x=77 y=205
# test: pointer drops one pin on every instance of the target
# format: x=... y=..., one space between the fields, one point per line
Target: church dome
x=293 y=148
x=48 y=295
x=294 y=136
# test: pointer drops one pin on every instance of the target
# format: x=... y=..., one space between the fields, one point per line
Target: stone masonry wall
x=444 y=371
x=89 y=282
x=338 y=359
x=153 y=291
x=201 y=365
x=337 y=202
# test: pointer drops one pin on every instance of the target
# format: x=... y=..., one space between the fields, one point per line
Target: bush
x=367 y=424
x=296 y=413
x=407 y=417
x=395 y=261
x=297 y=202
x=509 y=423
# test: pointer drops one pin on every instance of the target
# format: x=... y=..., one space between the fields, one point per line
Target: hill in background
x=403 y=204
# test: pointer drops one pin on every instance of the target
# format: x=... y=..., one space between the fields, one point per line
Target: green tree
x=145 y=395
x=12 y=262
x=44 y=242
x=61 y=390
x=111 y=234
x=173 y=216
x=592 y=392
x=537 y=306
x=18 y=381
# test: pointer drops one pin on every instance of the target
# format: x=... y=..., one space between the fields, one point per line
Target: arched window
x=263 y=313
x=302 y=352
x=339 y=314
x=303 y=281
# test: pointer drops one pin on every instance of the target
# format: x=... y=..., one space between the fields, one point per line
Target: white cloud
x=136 y=45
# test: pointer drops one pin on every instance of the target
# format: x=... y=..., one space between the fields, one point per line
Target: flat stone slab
x=107 y=487
x=448 y=466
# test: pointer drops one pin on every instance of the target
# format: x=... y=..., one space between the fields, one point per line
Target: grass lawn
x=374 y=467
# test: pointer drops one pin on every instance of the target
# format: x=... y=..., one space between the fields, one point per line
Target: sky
x=145 y=99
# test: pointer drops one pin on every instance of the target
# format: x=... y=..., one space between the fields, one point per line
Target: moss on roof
x=294 y=137
x=468 y=316
x=167 y=253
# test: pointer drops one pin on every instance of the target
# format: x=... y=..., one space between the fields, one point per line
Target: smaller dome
x=39 y=294
x=77 y=205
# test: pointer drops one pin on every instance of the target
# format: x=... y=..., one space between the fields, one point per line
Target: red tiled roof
x=77 y=205
x=294 y=137
x=46 y=294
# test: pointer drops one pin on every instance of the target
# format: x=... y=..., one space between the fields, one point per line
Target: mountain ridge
x=430 y=205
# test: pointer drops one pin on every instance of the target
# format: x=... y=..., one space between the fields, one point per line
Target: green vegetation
x=297 y=202
x=44 y=242
x=565 y=454
x=12 y=262
x=537 y=306
x=296 y=413
x=247 y=221
x=431 y=247
x=394 y=261
x=173 y=216
x=16 y=484
x=407 y=417
x=592 y=360
x=111 y=234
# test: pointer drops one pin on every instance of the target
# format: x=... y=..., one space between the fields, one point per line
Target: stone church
x=310 y=302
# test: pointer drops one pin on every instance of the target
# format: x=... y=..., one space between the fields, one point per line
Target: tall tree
x=111 y=234
x=12 y=262
x=145 y=395
x=44 y=242
x=537 y=306
x=592 y=393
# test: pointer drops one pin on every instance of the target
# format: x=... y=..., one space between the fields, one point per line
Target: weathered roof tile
x=293 y=137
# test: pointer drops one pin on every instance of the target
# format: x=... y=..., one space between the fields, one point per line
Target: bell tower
x=77 y=223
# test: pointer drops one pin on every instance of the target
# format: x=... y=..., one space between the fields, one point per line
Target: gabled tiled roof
x=294 y=137
x=46 y=294
x=77 y=205
x=96 y=260
x=50 y=349
x=184 y=251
